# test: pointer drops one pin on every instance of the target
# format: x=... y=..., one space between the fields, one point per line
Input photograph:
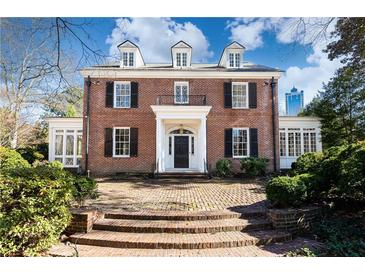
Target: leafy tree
x=68 y=103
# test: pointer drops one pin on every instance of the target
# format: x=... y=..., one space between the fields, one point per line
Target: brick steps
x=179 y=241
x=276 y=249
x=165 y=226
x=183 y=215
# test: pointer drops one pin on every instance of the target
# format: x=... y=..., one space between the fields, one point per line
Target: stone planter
x=294 y=220
x=82 y=220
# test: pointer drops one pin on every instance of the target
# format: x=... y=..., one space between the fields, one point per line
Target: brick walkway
x=184 y=195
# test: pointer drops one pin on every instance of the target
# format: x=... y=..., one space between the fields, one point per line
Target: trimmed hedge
x=285 y=191
x=254 y=166
x=224 y=168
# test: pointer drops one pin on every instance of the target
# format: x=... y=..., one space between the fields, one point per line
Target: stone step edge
x=194 y=227
x=183 y=216
x=282 y=237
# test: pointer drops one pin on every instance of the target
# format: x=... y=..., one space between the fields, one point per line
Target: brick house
x=179 y=117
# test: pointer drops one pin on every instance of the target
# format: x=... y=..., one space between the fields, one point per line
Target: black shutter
x=109 y=94
x=227 y=94
x=134 y=95
x=228 y=143
x=134 y=142
x=254 y=145
x=252 y=95
x=108 y=142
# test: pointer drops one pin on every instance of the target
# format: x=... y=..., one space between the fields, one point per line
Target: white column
x=158 y=144
x=203 y=143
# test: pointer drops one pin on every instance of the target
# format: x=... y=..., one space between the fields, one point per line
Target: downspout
x=272 y=85
x=88 y=83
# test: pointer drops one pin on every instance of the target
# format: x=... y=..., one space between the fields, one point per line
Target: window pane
x=184 y=59
x=306 y=142
x=282 y=144
x=121 y=140
x=237 y=59
x=297 y=144
x=79 y=144
x=69 y=144
x=313 y=142
x=59 y=145
x=178 y=59
x=239 y=96
x=231 y=60
x=58 y=159
x=131 y=59
x=240 y=142
x=69 y=162
x=125 y=58
x=291 y=143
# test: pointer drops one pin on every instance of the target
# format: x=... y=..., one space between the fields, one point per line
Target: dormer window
x=234 y=60
x=181 y=59
x=128 y=59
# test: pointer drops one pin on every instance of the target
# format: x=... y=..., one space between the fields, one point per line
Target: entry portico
x=181 y=138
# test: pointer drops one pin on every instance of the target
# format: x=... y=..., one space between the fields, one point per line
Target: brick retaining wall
x=294 y=220
x=82 y=220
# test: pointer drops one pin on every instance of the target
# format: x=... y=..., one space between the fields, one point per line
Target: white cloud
x=155 y=36
x=249 y=32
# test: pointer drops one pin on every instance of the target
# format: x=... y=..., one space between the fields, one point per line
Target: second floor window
x=181 y=93
x=122 y=95
x=128 y=59
x=239 y=95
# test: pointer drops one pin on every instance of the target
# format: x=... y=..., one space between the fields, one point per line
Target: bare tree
x=38 y=61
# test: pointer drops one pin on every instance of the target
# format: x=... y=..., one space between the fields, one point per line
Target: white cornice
x=125 y=73
x=180 y=112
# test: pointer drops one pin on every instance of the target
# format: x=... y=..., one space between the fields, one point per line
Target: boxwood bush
x=254 y=166
x=34 y=209
x=10 y=159
x=308 y=163
x=84 y=188
x=285 y=191
x=224 y=168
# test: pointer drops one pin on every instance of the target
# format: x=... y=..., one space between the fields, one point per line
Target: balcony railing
x=190 y=100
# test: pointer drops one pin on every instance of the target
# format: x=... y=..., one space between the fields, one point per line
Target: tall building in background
x=294 y=102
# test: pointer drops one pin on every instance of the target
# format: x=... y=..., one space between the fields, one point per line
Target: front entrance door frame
x=180 y=115
x=188 y=150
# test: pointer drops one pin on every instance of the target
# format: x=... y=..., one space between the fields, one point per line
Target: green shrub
x=308 y=163
x=343 y=236
x=32 y=153
x=285 y=191
x=34 y=209
x=84 y=188
x=254 y=166
x=10 y=159
x=224 y=168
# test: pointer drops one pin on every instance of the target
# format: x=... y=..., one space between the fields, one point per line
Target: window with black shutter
x=134 y=95
x=252 y=95
x=227 y=94
x=108 y=142
x=228 y=143
x=254 y=145
x=109 y=94
x=134 y=142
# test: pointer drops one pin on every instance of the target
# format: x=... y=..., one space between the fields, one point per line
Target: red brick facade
x=143 y=118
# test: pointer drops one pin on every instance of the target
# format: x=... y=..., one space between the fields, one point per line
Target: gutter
x=272 y=85
x=88 y=83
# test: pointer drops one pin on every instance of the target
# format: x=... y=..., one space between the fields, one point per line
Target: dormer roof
x=232 y=46
x=182 y=47
x=181 y=44
x=129 y=45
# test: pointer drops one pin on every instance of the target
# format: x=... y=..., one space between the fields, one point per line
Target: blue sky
x=269 y=41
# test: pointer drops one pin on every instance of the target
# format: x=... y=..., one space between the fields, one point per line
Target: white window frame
x=115 y=91
x=247 y=93
x=181 y=83
x=64 y=134
x=127 y=63
x=129 y=143
x=248 y=142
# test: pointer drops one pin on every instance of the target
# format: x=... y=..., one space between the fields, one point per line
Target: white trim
x=248 y=142
x=181 y=83
x=176 y=73
x=247 y=94
x=114 y=92
x=129 y=143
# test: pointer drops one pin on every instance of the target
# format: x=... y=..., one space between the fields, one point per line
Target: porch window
x=239 y=95
x=122 y=94
x=181 y=93
x=240 y=142
x=282 y=143
x=67 y=147
x=294 y=142
x=121 y=142
x=309 y=140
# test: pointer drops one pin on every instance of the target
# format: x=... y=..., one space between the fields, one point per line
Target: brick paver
x=182 y=195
